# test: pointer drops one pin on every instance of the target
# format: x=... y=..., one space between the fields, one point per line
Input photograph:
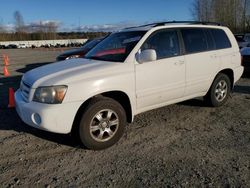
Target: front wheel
x=219 y=91
x=102 y=123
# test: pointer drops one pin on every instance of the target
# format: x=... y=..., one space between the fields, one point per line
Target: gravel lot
x=181 y=145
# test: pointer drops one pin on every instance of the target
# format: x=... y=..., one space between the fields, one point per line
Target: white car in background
x=129 y=72
x=22 y=46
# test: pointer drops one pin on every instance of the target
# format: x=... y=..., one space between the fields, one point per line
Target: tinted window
x=210 y=40
x=220 y=38
x=164 y=42
x=195 y=40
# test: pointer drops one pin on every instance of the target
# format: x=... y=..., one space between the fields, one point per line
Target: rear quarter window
x=220 y=38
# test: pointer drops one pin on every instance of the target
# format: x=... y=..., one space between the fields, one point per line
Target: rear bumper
x=238 y=73
x=56 y=118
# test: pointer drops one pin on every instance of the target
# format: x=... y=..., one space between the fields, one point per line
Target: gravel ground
x=181 y=145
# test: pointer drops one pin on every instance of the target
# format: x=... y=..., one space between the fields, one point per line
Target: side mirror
x=146 y=56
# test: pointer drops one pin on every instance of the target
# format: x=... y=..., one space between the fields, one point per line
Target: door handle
x=214 y=56
x=181 y=62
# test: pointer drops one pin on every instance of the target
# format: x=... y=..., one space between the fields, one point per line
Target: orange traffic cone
x=11 y=98
x=6 y=60
x=5 y=71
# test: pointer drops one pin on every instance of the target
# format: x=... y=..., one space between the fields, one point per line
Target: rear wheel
x=102 y=124
x=219 y=91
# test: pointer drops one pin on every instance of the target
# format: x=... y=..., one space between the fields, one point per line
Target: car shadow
x=242 y=89
x=9 y=119
x=197 y=102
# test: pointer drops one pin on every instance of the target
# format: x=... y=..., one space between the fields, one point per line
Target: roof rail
x=187 y=22
x=176 y=22
x=151 y=24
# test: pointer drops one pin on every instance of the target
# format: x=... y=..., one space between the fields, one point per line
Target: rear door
x=202 y=61
x=229 y=56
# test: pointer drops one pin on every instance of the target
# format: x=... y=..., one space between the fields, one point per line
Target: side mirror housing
x=146 y=56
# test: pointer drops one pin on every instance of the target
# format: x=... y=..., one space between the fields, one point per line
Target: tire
x=219 y=91
x=102 y=123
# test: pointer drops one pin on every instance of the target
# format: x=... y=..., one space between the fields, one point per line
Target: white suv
x=130 y=72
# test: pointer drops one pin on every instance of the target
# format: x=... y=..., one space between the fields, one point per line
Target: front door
x=163 y=80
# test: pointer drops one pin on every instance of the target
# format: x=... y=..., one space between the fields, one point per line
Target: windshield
x=91 y=44
x=115 y=47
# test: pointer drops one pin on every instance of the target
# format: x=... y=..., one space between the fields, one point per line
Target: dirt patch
x=183 y=145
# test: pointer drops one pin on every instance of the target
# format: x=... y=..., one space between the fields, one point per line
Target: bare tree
x=228 y=12
x=19 y=22
x=202 y=10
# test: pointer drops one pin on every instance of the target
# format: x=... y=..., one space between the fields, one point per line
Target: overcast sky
x=95 y=14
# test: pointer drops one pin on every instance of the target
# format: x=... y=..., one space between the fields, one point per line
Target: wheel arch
x=118 y=96
x=230 y=73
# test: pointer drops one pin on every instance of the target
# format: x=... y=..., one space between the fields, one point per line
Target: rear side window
x=210 y=40
x=220 y=38
x=195 y=40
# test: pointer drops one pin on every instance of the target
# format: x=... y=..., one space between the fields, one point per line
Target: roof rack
x=176 y=22
x=152 y=24
x=186 y=22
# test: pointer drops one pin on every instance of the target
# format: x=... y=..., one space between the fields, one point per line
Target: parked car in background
x=79 y=52
x=245 y=53
x=12 y=46
x=129 y=72
x=247 y=37
x=22 y=46
x=241 y=40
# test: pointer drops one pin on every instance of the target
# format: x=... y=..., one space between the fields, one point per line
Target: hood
x=64 y=72
x=245 y=51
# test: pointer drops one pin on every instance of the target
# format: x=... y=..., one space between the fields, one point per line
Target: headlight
x=73 y=57
x=50 y=94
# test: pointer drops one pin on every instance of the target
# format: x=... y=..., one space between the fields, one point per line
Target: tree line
x=41 y=31
x=232 y=13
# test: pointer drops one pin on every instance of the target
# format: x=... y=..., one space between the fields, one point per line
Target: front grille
x=25 y=91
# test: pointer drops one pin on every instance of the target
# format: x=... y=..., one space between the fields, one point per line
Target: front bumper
x=57 y=118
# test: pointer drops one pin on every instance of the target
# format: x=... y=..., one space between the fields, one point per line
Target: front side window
x=164 y=42
x=115 y=47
